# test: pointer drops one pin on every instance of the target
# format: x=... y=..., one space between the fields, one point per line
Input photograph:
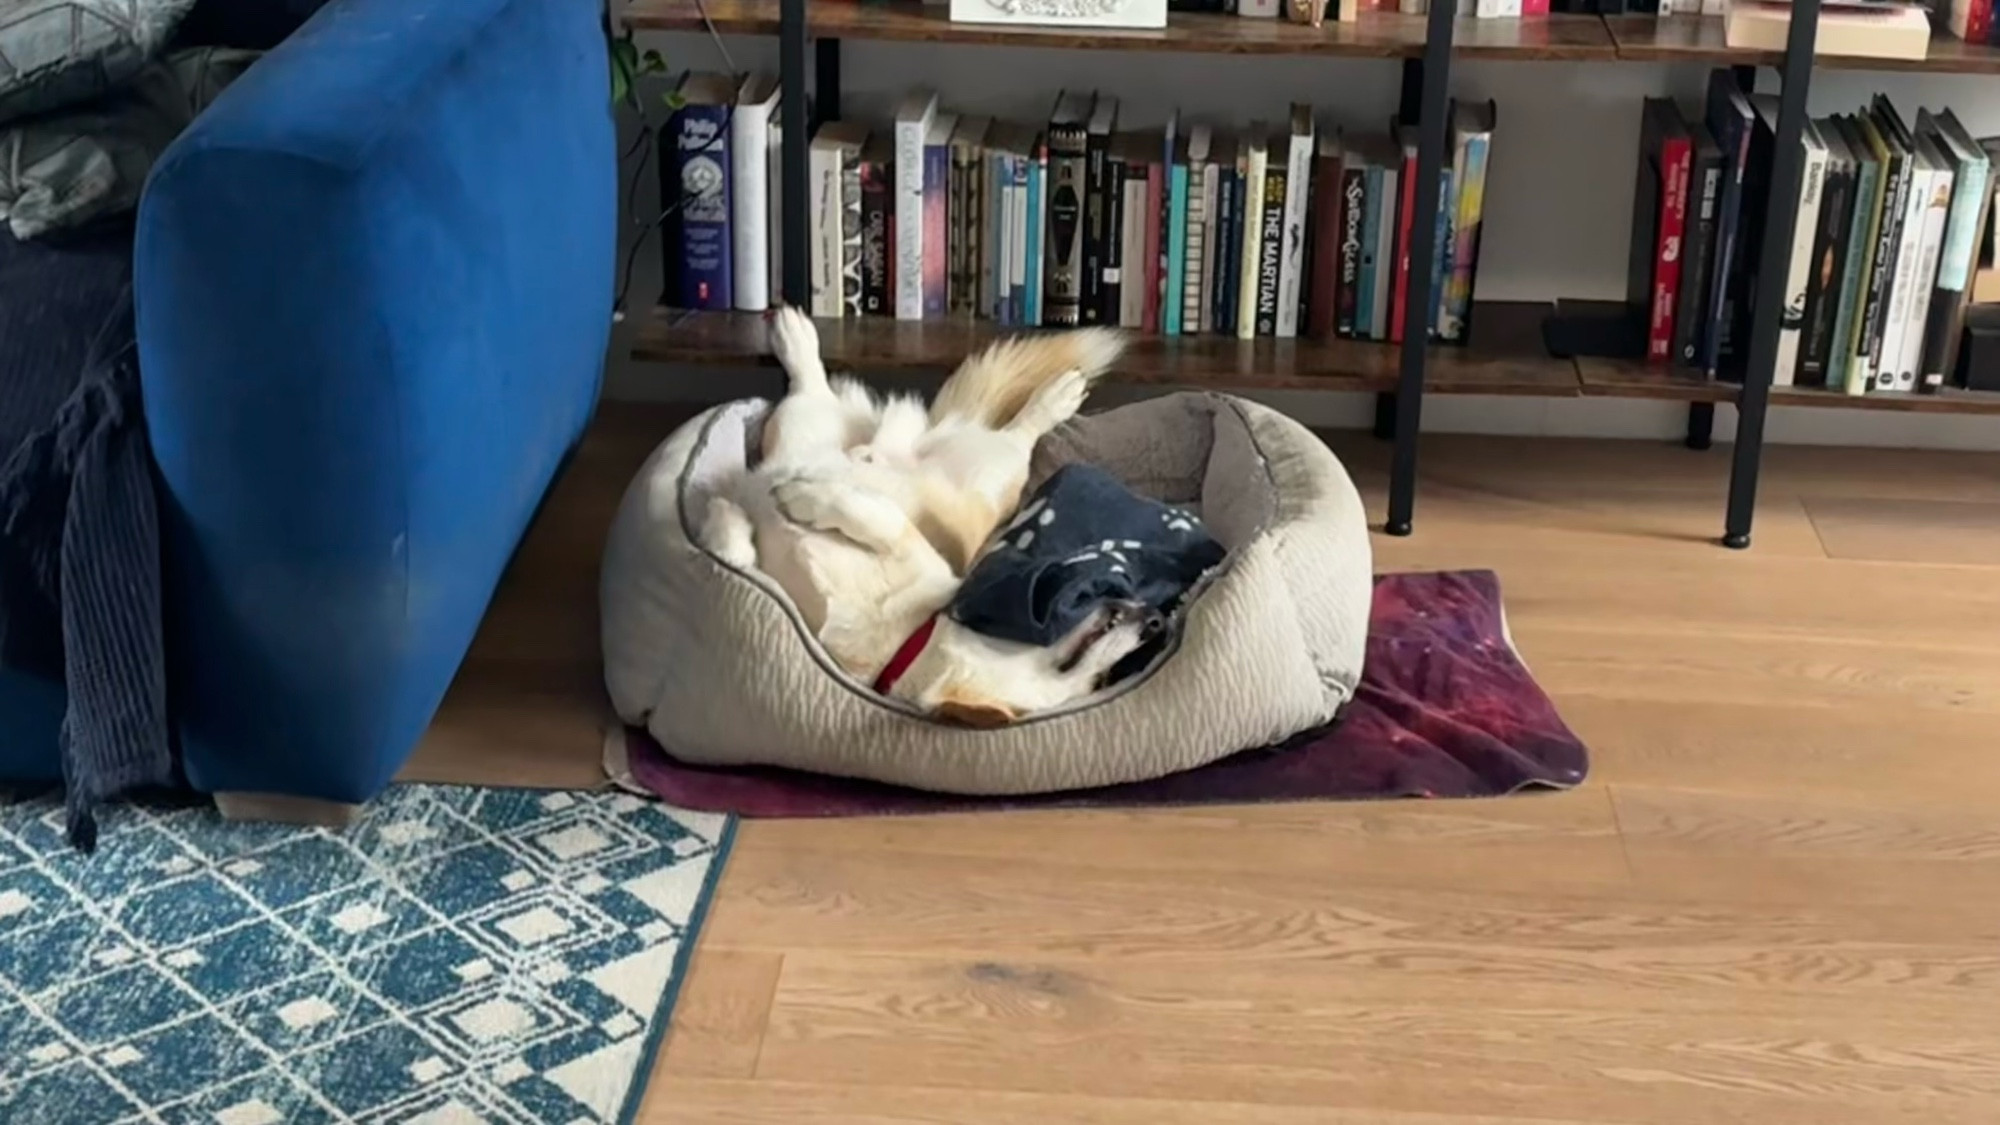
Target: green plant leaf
x=673 y=99
x=653 y=62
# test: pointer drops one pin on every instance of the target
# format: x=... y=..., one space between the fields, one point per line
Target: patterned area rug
x=461 y=956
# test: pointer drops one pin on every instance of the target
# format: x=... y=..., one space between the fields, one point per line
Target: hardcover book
x=702 y=153
x=1062 y=282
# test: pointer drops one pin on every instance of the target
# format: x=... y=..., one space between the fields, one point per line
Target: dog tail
x=991 y=387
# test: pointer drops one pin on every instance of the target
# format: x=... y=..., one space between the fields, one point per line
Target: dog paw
x=794 y=339
x=726 y=532
x=1067 y=394
x=808 y=502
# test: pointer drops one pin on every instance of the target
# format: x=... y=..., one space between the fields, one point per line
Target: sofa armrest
x=373 y=285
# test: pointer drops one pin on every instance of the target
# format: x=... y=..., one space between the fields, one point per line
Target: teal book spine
x=1170 y=311
x=1371 y=235
x=1037 y=172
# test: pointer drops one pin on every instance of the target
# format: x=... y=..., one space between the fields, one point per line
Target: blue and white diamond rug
x=461 y=956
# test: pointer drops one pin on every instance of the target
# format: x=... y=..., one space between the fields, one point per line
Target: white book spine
x=1936 y=209
x=750 y=206
x=1385 y=253
x=1132 y=242
x=823 y=230
x=1714 y=7
x=1017 y=235
x=1799 y=271
x=909 y=191
x=774 y=181
x=1509 y=9
x=1253 y=240
x=1292 y=249
x=1889 y=359
x=1197 y=244
x=1486 y=9
x=1258 y=9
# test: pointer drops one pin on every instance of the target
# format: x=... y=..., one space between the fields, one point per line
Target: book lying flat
x=1902 y=32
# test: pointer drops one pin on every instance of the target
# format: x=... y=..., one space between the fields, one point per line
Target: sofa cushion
x=54 y=53
x=65 y=168
x=257 y=25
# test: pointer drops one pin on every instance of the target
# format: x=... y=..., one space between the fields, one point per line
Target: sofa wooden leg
x=286 y=810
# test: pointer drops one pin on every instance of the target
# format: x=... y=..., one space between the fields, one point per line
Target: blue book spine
x=701 y=148
x=937 y=227
x=1228 y=251
x=1032 y=297
x=1371 y=236
x=1170 y=313
x=1730 y=122
x=1017 y=291
x=1441 y=251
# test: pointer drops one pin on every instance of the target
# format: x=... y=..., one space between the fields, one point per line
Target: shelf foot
x=1737 y=542
x=1399 y=529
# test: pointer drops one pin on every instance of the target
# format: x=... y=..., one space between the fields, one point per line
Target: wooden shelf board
x=1701 y=39
x=1951 y=400
x=1636 y=378
x=1377 y=35
x=1494 y=365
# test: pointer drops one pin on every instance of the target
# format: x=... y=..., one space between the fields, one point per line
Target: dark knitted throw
x=79 y=533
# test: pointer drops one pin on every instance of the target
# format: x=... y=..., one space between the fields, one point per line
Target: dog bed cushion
x=718 y=666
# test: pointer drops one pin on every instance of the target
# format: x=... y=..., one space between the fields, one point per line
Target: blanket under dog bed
x=1446 y=708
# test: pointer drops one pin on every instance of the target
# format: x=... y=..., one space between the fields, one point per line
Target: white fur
x=865 y=510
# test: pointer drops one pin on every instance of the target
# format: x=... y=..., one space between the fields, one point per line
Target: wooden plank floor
x=1776 y=902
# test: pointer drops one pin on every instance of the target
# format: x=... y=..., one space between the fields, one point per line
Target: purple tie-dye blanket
x=1445 y=709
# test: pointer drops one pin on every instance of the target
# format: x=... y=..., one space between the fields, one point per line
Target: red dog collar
x=905 y=656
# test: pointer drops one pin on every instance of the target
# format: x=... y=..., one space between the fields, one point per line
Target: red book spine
x=1156 y=210
x=1399 y=289
x=1676 y=161
x=1531 y=8
x=1978 y=21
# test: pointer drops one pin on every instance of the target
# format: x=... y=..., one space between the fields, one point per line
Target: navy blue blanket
x=79 y=533
x=1083 y=539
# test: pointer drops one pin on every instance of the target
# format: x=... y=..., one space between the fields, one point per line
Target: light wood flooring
x=1776 y=901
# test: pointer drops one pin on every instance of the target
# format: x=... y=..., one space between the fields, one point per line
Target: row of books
x=1888 y=225
x=1350 y=10
x=1178 y=231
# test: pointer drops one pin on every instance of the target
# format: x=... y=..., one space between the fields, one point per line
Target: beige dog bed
x=717 y=665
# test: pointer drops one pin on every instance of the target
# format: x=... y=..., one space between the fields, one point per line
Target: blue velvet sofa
x=373 y=295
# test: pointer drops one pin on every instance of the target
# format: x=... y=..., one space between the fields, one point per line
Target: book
x=1348 y=318
x=1659 y=222
x=834 y=217
x=1385 y=205
x=1698 y=246
x=1149 y=275
x=1935 y=206
x=1829 y=251
x=1404 y=212
x=1228 y=240
x=750 y=151
x=1062 y=281
x=701 y=133
x=1328 y=237
x=1301 y=146
x=1097 y=204
x=1842 y=371
x=1271 y=244
x=1747 y=268
x=1887 y=31
x=878 y=206
x=1909 y=232
x=1972 y=192
x=1114 y=257
x=1971 y=20
x=1256 y=167
x=965 y=213
x=1129 y=155
x=1798 y=265
x=1210 y=200
x=1038 y=222
x=1013 y=148
x=1882 y=254
x=774 y=190
x=1729 y=118
x=914 y=118
x=1173 y=299
x=1199 y=198
x=1472 y=125
x=937 y=214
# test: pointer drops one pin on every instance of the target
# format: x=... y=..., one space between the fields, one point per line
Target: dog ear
x=975 y=713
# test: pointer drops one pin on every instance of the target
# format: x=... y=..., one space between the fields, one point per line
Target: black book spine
x=1823 y=286
x=1111 y=290
x=1353 y=211
x=1741 y=284
x=876 y=203
x=1096 y=217
x=1896 y=177
x=1698 y=251
x=1062 y=272
x=1222 y=312
x=1271 y=253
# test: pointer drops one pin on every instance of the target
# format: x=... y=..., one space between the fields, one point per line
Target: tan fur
x=868 y=512
x=991 y=387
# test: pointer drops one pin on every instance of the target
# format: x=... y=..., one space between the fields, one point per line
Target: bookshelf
x=1505 y=355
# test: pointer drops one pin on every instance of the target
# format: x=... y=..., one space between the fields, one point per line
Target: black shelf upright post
x=792 y=118
x=1787 y=169
x=1432 y=87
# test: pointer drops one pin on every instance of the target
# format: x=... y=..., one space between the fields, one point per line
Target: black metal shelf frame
x=1426 y=85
